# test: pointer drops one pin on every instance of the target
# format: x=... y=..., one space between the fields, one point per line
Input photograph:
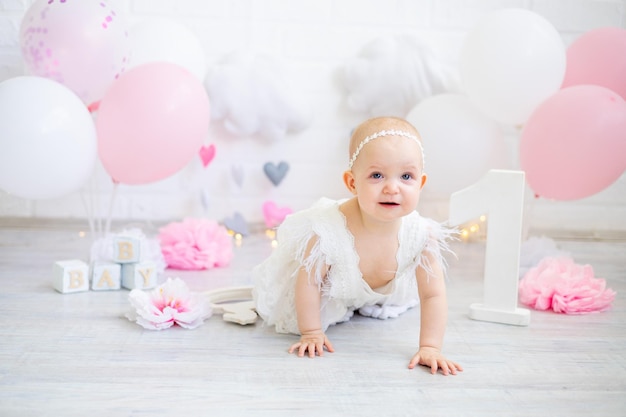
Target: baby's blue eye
x=377 y=175
x=407 y=177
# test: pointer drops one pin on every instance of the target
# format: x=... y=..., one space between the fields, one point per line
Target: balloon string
x=111 y=204
x=87 y=196
x=528 y=214
x=98 y=212
x=89 y=211
x=94 y=206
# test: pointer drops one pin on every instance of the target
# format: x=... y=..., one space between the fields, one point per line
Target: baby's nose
x=391 y=186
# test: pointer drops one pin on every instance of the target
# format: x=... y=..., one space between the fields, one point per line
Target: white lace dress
x=343 y=290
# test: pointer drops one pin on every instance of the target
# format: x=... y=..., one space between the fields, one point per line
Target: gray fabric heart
x=237 y=224
x=276 y=173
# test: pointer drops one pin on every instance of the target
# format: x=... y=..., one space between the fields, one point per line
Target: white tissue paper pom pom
x=169 y=304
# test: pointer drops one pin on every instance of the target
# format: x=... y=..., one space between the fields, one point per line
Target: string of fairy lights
x=468 y=232
x=474 y=230
x=269 y=233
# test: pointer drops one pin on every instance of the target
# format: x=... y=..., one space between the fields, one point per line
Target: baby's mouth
x=389 y=203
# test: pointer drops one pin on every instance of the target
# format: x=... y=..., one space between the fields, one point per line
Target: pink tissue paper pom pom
x=196 y=244
x=169 y=304
x=563 y=286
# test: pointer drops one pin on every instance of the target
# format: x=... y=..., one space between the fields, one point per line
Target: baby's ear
x=424 y=178
x=348 y=180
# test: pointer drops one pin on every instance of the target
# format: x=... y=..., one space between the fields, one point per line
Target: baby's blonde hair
x=381 y=126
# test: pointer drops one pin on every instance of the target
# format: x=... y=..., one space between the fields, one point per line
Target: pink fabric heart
x=273 y=214
x=207 y=153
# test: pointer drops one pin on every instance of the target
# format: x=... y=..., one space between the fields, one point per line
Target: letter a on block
x=106 y=276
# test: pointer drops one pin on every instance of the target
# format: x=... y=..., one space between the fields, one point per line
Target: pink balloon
x=151 y=123
x=80 y=44
x=598 y=57
x=574 y=143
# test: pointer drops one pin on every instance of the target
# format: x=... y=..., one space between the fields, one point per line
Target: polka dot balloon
x=82 y=44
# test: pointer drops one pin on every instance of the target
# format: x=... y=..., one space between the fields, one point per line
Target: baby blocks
x=106 y=276
x=70 y=276
x=118 y=266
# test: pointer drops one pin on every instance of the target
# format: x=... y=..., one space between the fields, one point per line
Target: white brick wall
x=314 y=38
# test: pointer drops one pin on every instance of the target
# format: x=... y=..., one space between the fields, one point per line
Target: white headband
x=385 y=133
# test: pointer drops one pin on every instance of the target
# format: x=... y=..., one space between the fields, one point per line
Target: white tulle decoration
x=392 y=74
x=251 y=95
x=149 y=249
x=534 y=250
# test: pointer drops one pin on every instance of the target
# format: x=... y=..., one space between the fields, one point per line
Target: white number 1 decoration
x=500 y=195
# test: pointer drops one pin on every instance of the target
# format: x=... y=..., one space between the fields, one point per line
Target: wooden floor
x=76 y=354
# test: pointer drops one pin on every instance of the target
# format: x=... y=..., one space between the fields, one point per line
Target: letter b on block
x=71 y=276
x=125 y=250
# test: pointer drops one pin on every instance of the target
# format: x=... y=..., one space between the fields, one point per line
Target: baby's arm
x=308 y=301
x=434 y=315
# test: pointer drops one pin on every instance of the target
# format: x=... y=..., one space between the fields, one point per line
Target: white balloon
x=162 y=39
x=460 y=142
x=510 y=62
x=48 y=144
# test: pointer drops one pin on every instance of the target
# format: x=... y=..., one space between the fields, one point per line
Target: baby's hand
x=313 y=342
x=434 y=359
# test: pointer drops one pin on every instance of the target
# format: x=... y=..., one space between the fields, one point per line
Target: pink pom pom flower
x=563 y=286
x=169 y=304
x=196 y=244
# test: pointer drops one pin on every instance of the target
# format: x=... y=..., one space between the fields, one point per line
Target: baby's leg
x=386 y=311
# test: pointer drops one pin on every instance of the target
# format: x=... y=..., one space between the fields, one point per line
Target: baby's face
x=389 y=177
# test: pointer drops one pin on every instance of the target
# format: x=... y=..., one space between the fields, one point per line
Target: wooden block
x=139 y=275
x=125 y=249
x=106 y=276
x=71 y=276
